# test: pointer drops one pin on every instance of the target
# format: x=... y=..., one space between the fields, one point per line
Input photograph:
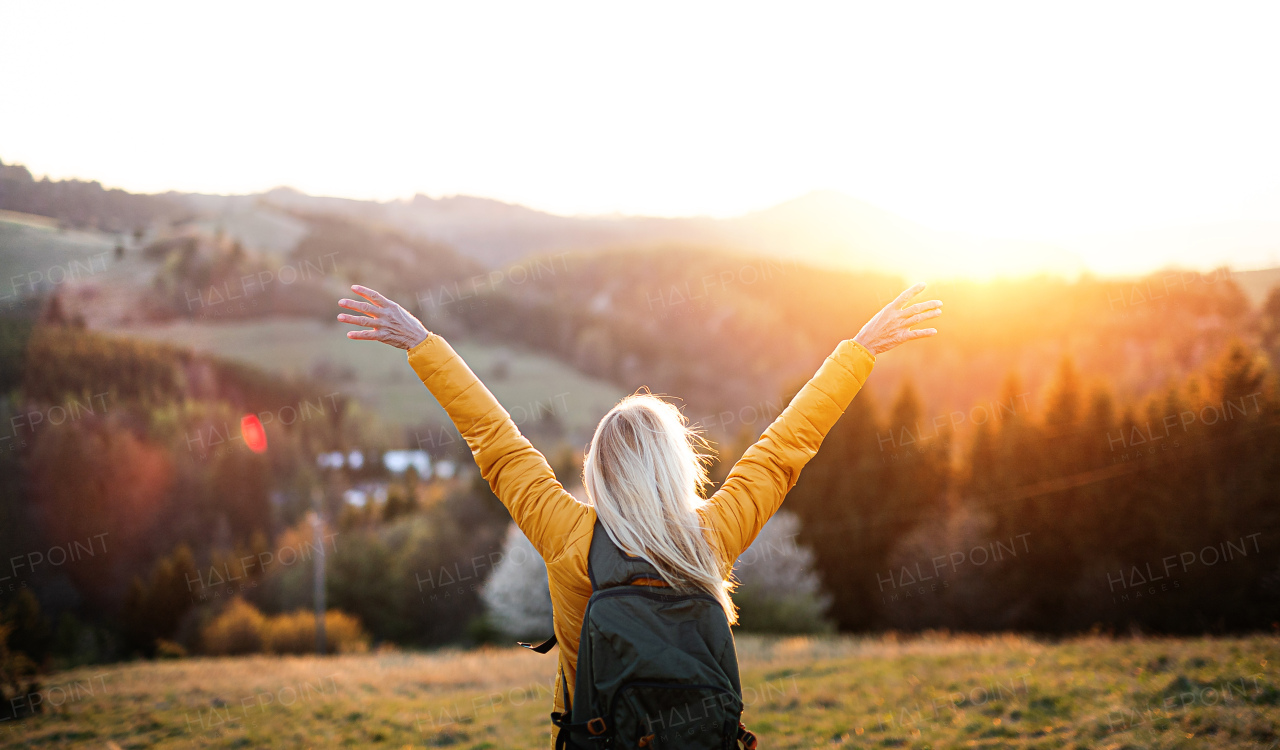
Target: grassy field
x=35 y=256
x=529 y=386
x=931 y=692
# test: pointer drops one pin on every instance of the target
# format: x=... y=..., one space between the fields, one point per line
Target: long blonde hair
x=644 y=473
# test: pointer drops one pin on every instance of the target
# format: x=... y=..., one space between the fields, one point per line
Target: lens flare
x=254 y=436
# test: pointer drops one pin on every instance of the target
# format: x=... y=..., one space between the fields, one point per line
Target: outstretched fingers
x=363 y=307
x=358 y=320
x=906 y=296
x=920 y=317
x=372 y=323
x=387 y=321
x=920 y=307
x=892 y=325
x=371 y=295
x=372 y=333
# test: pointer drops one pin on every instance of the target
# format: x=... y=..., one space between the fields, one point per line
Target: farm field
x=528 y=385
x=35 y=256
x=929 y=692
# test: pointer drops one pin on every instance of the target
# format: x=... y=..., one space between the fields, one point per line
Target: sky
x=1003 y=119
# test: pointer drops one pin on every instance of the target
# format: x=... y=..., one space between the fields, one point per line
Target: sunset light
x=676 y=376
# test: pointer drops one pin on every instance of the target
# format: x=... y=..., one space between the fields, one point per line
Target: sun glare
x=999 y=120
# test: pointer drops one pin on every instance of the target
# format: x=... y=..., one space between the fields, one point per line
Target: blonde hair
x=644 y=473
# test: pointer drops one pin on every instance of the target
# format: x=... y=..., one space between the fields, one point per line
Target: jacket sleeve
x=761 y=479
x=519 y=475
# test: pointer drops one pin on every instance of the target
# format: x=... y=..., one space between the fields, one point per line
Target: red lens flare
x=254 y=436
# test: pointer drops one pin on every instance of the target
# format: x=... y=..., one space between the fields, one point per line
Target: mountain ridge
x=825 y=228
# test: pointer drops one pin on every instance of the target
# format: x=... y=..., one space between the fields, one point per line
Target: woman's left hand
x=389 y=322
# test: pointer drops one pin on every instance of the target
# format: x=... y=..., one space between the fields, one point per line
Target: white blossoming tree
x=517 y=597
x=779 y=591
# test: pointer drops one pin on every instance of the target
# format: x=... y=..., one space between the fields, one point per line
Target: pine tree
x=840 y=501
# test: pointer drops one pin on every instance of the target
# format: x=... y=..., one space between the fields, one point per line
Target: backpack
x=657 y=669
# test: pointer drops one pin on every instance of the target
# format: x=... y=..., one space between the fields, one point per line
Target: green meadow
x=529 y=385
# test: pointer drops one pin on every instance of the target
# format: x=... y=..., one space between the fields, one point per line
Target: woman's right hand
x=385 y=320
x=892 y=325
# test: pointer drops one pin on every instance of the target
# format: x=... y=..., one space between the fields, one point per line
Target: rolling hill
x=823 y=228
x=727 y=315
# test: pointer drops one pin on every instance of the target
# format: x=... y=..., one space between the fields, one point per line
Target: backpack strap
x=608 y=566
x=541 y=648
x=595 y=727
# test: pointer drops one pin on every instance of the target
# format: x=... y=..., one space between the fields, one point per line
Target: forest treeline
x=1058 y=514
x=728 y=331
x=82 y=204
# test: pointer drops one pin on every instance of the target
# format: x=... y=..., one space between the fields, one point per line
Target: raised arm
x=761 y=479
x=519 y=475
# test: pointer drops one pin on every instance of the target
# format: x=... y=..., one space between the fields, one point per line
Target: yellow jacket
x=560 y=526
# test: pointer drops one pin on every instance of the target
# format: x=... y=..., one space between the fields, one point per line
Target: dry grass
x=931 y=692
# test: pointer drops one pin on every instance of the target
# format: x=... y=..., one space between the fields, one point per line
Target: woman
x=643 y=472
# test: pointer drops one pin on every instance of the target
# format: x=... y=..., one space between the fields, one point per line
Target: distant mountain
x=823 y=228
x=497 y=233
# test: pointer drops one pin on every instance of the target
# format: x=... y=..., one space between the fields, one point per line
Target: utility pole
x=317 y=525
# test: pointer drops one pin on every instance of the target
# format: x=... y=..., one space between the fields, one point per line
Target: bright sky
x=1014 y=119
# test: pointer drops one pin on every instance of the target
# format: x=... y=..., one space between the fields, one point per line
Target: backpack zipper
x=622 y=591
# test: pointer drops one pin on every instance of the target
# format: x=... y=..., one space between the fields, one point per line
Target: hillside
x=730 y=332
x=533 y=387
x=727 y=331
x=82 y=204
x=724 y=322
x=825 y=228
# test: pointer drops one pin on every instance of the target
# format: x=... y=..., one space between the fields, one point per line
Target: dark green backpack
x=656 y=669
